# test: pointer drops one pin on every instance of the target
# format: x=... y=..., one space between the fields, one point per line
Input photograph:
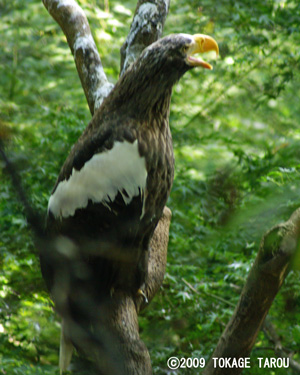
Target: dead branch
x=208 y=294
x=272 y=335
x=266 y=276
x=147 y=26
x=72 y=20
x=267 y=327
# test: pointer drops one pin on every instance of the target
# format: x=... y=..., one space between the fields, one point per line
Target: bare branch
x=208 y=294
x=270 y=331
x=71 y=18
x=147 y=26
x=267 y=275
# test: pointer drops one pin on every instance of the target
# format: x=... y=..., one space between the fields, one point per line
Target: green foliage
x=236 y=137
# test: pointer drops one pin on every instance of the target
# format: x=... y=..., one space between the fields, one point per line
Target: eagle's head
x=170 y=57
x=178 y=51
x=150 y=78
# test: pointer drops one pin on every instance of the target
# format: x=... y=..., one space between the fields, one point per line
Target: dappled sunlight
x=236 y=136
x=204 y=158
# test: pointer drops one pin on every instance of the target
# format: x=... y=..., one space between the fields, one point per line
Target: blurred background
x=237 y=145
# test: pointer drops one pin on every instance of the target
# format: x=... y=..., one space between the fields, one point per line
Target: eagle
x=113 y=186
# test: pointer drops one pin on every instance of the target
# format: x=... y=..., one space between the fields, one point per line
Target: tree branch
x=147 y=26
x=208 y=294
x=124 y=309
x=72 y=19
x=270 y=331
x=266 y=276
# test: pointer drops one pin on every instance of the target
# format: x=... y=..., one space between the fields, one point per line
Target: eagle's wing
x=98 y=202
x=102 y=182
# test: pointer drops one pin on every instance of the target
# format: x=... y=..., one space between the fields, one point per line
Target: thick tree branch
x=267 y=327
x=267 y=275
x=147 y=26
x=73 y=21
x=124 y=309
x=122 y=321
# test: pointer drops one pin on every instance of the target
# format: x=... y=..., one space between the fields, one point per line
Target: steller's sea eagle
x=114 y=184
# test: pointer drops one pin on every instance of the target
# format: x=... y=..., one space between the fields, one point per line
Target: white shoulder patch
x=100 y=180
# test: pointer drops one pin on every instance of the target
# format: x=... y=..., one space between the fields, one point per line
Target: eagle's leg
x=141 y=292
x=143 y=274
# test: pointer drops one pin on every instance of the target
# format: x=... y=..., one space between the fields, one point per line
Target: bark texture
x=147 y=26
x=266 y=276
x=123 y=316
x=73 y=22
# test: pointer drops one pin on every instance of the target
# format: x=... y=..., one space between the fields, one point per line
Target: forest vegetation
x=236 y=137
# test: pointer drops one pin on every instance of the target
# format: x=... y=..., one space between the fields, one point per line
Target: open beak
x=201 y=44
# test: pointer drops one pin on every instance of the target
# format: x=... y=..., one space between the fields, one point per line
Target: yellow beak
x=202 y=43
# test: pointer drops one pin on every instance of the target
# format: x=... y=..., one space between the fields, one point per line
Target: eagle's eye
x=185 y=48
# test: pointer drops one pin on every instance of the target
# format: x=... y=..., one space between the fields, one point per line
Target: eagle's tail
x=65 y=350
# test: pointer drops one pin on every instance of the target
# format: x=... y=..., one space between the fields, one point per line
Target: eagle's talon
x=112 y=291
x=140 y=292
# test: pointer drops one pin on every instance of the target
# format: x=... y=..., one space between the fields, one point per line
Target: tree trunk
x=272 y=264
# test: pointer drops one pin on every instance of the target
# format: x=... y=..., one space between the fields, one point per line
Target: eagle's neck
x=160 y=106
x=142 y=93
